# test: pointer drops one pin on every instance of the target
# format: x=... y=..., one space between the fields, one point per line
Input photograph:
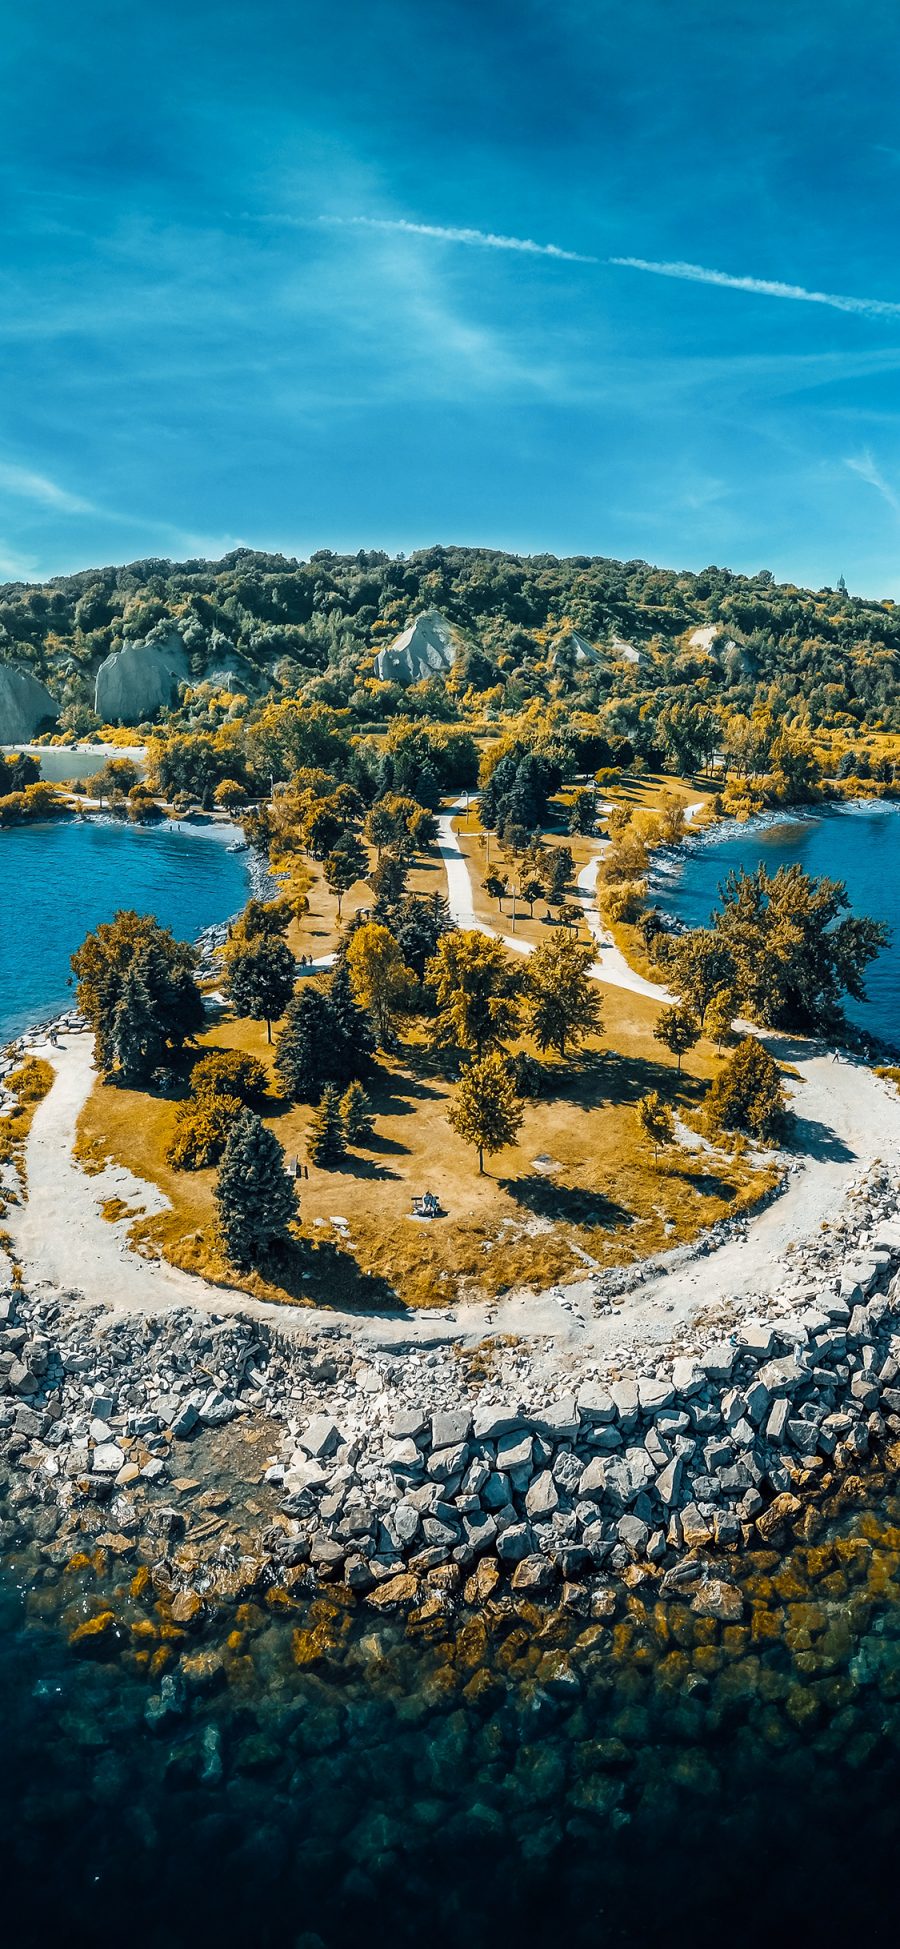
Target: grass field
x=580 y=1186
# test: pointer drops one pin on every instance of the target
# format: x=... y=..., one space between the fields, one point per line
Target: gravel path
x=846 y=1120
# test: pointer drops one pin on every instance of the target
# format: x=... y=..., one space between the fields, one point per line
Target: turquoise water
x=57 y=881
x=857 y=844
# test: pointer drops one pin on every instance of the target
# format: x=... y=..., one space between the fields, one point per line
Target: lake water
x=659 y=1781
x=859 y=844
x=57 y=881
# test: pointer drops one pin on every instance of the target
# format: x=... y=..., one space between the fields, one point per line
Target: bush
x=201 y=1132
x=228 y=1072
x=526 y=1074
x=747 y=1094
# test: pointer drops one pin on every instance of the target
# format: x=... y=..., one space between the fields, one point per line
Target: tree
x=678 y=1031
x=354 y=1043
x=379 y=976
x=306 y=1050
x=720 y=1016
x=794 y=957
x=563 y=1001
x=325 y=1144
x=747 y=1094
x=656 y=1120
x=356 y=1114
x=557 y=869
x=272 y=917
x=388 y=880
x=583 y=812
x=201 y=1132
x=477 y=989
x=486 y=1111
x=230 y=792
x=255 y=1198
x=700 y=968
x=259 y=978
x=129 y=945
x=531 y=890
x=228 y=1072
x=347 y=864
x=421 y=920
x=137 y=1041
x=496 y=888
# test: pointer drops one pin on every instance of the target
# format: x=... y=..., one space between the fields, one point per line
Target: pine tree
x=259 y=978
x=304 y=1052
x=325 y=1143
x=356 y=1114
x=136 y=1040
x=254 y=1196
x=354 y=1040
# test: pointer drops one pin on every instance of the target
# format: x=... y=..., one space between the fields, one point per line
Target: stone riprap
x=404 y=1467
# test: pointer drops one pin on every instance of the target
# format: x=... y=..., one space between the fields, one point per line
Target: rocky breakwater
x=403 y=1473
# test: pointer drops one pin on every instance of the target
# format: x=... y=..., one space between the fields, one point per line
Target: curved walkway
x=847 y=1119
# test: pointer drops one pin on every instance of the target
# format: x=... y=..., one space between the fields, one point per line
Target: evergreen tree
x=255 y=1198
x=486 y=1111
x=344 y=866
x=325 y=1143
x=747 y=1095
x=305 y=1050
x=259 y=978
x=420 y=923
x=102 y=964
x=354 y=1040
x=356 y=1114
x=136 y=1040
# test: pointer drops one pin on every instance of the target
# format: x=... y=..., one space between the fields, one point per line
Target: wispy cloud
x=762 y=287
x=868 y=470
x=24 y=485
x=450 y=234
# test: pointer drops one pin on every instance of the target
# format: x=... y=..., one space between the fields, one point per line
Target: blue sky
x=231 y=313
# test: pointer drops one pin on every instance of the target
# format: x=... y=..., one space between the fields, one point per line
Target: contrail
x=482 y=239
x=762 y=287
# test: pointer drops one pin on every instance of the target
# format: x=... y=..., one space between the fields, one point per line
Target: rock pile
x=410 y=1465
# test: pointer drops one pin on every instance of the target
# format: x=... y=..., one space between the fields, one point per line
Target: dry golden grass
x=603 y=1201
x=316 y=932
x=28 y=1084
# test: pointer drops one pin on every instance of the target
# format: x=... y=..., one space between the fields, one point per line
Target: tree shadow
x=709 y=1184
x=353 y=1166
x=608 y=1077
x=568 y=1204
x=813 y=1139
x=317 y=1271
x=386 y=1146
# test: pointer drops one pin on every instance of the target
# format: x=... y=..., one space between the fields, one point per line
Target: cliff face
x=25 y=705
x=426 y=649
x=137 y=681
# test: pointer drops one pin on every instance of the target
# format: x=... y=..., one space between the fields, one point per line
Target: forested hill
x=312 y=628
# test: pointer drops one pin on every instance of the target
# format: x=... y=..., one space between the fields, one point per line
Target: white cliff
x=426 y=649
x=140 y=679
x=25 y=704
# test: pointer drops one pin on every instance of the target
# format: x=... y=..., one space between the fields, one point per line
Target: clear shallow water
x=57 y=881
x=857 y=844
x=661 y=1780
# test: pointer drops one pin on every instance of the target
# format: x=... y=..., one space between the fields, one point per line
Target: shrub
x=228 y=1072
x=201 y=1132
x=747 y=1094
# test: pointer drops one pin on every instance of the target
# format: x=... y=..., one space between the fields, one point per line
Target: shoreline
x=394 y=1470
x=427 y=1451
